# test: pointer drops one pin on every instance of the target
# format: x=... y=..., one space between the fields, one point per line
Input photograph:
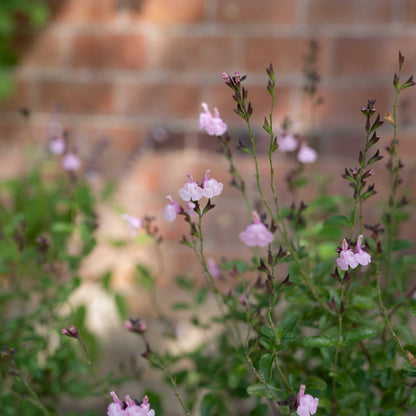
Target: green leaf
x=268 y=332
x=266 y=366
x=411 y=401
x=337 y=220
x=106 y=280
x=180 y=306
x=318 y=341
x=315 y=383
x=201 y=295
x=412 y=310
x=62 y=227
x=266 y=343
x=240 y=265
x=259 y=389
x=121 y=306
x=288 y=324
x=360 y=334
x=401 y=245
x=364 y=302
x=185 y=282
x=144 y=276
x=208 y=404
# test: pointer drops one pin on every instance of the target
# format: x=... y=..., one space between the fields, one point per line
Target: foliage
x=14 y=15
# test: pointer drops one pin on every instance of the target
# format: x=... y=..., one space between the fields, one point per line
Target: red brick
x=286 y=54
x=166 y=11
x=77 y=97
x=109 y=51
x=161 y=100
x=40 y=50
x=194 y=54
x=372 y=56
x=410 y=11
x=20 y=97
x=341 y=105
x=81 y=11
x=262 y=11
x=348 y=11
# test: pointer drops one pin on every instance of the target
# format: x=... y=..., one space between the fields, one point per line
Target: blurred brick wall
x=123 y=68
x=129 y=76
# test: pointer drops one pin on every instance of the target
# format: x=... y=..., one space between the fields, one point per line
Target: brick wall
x=121 y=68
x=129 y=76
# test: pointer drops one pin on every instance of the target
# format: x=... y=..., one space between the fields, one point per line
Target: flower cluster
x=256 y=234
x=288 y=143
x=129 y=407
x=306 y=404
x=352 y=258
x=191 y=192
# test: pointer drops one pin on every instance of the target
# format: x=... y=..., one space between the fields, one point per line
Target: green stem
x=384 y=311
x=337 y=349
x=358 y=202
x=394 y=181
x=155 y=360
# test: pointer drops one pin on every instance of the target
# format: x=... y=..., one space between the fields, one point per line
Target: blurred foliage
x=17 y=17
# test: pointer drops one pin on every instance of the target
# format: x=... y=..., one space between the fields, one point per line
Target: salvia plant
x=315 y=320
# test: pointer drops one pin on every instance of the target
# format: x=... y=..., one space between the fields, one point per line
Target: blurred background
x=126 y=79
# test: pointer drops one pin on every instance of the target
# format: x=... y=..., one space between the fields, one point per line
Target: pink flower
x=171 y=210
x=70 y=162
x=212 y=124
x=346 y=257
x=213 y=268
x=133 y=223
x=71 y=332
x=57 y=146
x=189 y=209
x=116 y=408
x=307 y=154
x=361 y=256
x=136 y=325
x=210 y=187
x=191 y=190
x=286 y=142
x=256 y=234
x=133 y=409
x=306 y=404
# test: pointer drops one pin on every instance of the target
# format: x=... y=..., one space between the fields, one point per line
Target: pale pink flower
x=213 y=268
x=171 y=210
x=306 y=404
x=306 y=154
x=360 y=255
x=212 y=124
x=286 y=142
x=210 y=187
x=191 y=190
x=189 y=209
x=70 y=162
x=116 y=408
x=256 y=234
x=133 y=223
x=57 y=146
x=346 y=257
x=133 y=409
